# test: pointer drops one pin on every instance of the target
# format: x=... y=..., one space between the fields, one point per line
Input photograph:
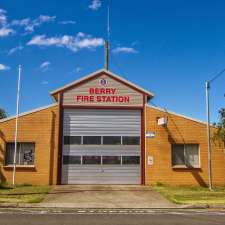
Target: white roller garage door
x=101 y=146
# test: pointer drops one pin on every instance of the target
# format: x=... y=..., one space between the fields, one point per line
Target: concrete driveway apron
x=106 y=196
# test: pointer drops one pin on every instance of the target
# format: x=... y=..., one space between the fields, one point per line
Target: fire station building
x=102 y=129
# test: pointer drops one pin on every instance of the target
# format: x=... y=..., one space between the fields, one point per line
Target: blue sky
x=168 y=47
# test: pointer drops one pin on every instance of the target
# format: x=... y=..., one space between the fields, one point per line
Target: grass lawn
x=23 y=194
x=192 y=195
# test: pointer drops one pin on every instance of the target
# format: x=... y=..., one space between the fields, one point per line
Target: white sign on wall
x=150 y=160
x=150 y=134
x=162 y=121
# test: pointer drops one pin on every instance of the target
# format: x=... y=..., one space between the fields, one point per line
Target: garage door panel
x=90 y=122
x=110 y=175
x=100 y=122
x=111 y=148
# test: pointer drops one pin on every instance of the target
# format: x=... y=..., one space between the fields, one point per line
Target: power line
x=217 y=76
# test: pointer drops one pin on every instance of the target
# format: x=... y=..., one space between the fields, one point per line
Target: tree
x=2 y=113
x=219 y=134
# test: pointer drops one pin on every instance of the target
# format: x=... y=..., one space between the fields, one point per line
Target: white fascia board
x=28 y=112
x=177 y=114
x=130 y=83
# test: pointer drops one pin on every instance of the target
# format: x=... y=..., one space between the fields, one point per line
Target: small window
x=129 y=140
x=92 y=140
x=91 y=160
x=24 y=155
x=178 y=155
x=72 y=140
x=111 y=140
x=107 y=160
x=130 y=160
x=71 y=159
x=185 y=155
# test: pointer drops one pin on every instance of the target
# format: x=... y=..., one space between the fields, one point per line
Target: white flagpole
x=16 y=130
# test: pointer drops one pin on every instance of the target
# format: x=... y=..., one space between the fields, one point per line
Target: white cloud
x=65 y=22
x=124 y=50
x=134 y=43
x=5 y=31
x=95 y=4
x=44 y=82
x=29 y=24
x=45 y=65
x=13 y=50
x=3 y=18
x=74 y=43
x=4 y=67
x=78 y=69
x=22 y=22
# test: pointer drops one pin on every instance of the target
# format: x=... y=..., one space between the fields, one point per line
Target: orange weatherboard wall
x=40 y=127
x=179 y=130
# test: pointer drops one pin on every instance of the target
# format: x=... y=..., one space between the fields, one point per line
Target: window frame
x=92 y=136
x=111 y=164
x=101 y=139
x=19 y=165
x=131 y=164
x=91 y=164
x=67 y=163
x=119 y=137
x=185 y=166
x=70 y=136
x=139 y=140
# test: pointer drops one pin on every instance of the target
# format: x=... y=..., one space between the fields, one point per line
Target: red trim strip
x=101 y=107
x=60 y=137
x=143 y=142
x=142 y=108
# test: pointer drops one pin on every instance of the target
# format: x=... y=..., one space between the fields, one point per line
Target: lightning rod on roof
x=107 y=41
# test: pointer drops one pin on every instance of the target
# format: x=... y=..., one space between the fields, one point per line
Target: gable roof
x=29 y=112
x=96 y=74
x=176 y=114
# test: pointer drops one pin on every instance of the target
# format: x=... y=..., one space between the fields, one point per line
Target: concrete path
x=107 y=196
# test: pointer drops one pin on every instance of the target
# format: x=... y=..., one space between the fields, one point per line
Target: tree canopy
x=2 y=113
x=219 y=135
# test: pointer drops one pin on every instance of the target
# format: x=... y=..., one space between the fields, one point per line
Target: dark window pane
x=192 y=155
x=72 y=140
x=10 y=153
x=71 y=159
x=91 y=160
x=131 y=140
x=131 y=159
x=24 y=155
x=27 y=153
x=92 y=140
x=112 y=140
x=111 y=159
x=178 y=154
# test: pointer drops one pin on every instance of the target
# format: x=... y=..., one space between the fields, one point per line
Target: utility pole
x=107 y=41
x=16 y=130
x=207 y=89
x=106 y=55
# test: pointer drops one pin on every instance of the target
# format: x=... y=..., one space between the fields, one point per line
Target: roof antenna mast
x=107 y=41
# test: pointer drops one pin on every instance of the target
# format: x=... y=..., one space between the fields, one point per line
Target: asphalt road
x=17 y=217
